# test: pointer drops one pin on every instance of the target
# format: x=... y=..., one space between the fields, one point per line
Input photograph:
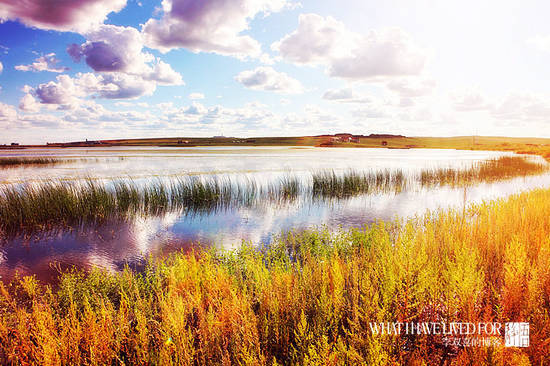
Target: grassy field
x=531 y=145
x=307 y=300
x=539 y=146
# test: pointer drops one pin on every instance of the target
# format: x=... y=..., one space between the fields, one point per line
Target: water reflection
x=259 y=162
x=114 y=243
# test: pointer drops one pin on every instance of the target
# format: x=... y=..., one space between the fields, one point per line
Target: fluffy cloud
x=122 y=86
x=370 y=112
x=338 y=94
x=1 y=67
x=63 y=92
x=111 y=48
x=163 y=74
x=67 y=92
x=521 y=106
x=75 y=15
x=316 y=41
x=43 y=63
x=412 y=87
x=251 y=115
x=540 y=42
x=196 y=96
x=345 y=95
x=470 y=100
x=89 y=112
x=349 y=55
x=7 y=112
x=208 y=26
x=267 y=79
x=116 y=49
x=28 y=103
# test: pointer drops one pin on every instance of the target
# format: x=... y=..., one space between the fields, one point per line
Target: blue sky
x=125 y=68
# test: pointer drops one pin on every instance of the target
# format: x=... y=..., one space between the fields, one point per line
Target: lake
x=112 y=244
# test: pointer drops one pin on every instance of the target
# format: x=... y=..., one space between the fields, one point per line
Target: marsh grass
x=330 y=184
x=308 y=299
x=491 y=170
x=63 y=203
x=6 y=162
x=18 y=162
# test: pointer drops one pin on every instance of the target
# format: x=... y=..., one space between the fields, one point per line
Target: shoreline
x=519 y=145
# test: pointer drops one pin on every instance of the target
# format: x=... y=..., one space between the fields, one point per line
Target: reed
x=328 y=183
x=491 y=170
x=63 y=203
x=6 y=162
x=309 y=299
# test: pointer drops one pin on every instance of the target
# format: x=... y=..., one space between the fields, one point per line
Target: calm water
x=112 y=245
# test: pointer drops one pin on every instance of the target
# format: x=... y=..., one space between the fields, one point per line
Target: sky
x=100 y=69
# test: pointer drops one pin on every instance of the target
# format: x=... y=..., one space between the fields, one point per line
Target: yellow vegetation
x=307 y=300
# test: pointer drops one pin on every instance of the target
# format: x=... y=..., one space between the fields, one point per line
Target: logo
x=516 y=335
x=460 y=334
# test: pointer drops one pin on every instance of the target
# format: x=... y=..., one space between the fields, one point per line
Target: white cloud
x=122 y=86
x=345 y=95
x=7 y=113
x=163 y=74
x=208 y=26
x=196 y=96
x=29 y=104
x=67 y=92
x=60 y=15
x=316 y=41
x=338 y=94
x=111 y=48
x=64 y=92
x=39 y=120
x=522 y=106
x=1 y=67
x=166 y=106
x=311 y=120
x=122 y=70
x=406 y=102
x=267 y=79
x=252 y=115
x=540 y=42
x=345 y=54
x=43 y=63
x=412 y=87
x=470 y=100
x=373 y=111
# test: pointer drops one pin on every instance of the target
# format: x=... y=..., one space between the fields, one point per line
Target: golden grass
x=491 y=170
x=307 y=300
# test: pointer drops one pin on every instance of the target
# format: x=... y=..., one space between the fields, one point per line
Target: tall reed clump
x=7 y=162
x=491 y=170
x=309 y=299
x=328 y=183
x=48 y=204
